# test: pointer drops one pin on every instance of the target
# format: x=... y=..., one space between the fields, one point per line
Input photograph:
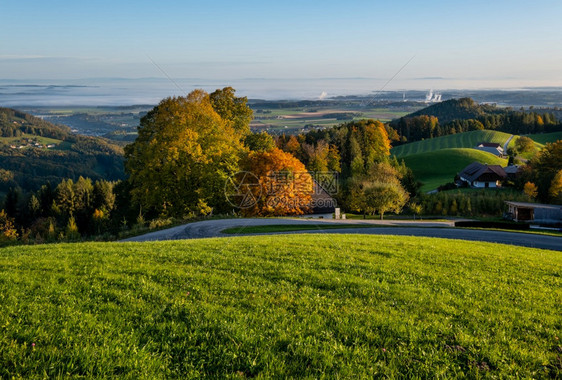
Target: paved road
x=506 y=144
x=213 y=228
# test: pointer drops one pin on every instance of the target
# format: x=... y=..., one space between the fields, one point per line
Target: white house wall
x=483 y=184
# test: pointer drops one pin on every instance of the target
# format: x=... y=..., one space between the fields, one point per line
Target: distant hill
x=459 y=140
x=437 y=168
x=34 y=151
x=463 y=115
x=458 y=109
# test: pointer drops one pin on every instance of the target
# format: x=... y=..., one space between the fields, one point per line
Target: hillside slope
x=280 y=306
x=544 y=138
x=439 y=167
x=457 y=109
x=33 y=152
x=459 y=140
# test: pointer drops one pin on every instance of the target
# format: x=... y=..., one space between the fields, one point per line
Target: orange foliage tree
x=530 y=189
x=285 y=185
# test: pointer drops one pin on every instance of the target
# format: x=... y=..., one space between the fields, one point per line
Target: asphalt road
x=213 y=228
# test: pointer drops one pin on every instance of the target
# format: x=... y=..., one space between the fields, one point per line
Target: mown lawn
x=281 y=306
x=459 y=140
x=437 y=168
x=544 y=138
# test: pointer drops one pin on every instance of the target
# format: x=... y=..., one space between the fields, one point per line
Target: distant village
x=31 y=143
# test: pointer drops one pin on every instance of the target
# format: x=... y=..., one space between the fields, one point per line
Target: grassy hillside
x=459 y=140
x=280 y=306
x=543 y=138
x=439 y=167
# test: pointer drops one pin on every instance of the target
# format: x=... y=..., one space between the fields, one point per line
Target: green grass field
x=440 y=167
x=297 y=118
x=459 y=140
x=543 y=138
x=312 y=306
x=39 y=139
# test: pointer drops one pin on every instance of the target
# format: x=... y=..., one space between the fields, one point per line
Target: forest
x=73 y=156
x=463 y=115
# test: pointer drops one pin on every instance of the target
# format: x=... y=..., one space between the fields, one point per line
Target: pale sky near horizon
x=455 y=44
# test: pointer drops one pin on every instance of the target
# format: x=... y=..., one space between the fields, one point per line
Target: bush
x=159 y=223
x=469 y=202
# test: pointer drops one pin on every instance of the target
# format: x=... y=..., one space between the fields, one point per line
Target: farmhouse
x=482 y=176
x=495 y=149
x=534 y=212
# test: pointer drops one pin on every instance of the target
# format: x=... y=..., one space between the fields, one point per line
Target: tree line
x=463 y=115
x=370 y=180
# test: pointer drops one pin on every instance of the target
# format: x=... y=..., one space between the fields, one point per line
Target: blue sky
x=456 y=44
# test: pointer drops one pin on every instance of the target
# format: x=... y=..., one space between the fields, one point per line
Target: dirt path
x=507 y=144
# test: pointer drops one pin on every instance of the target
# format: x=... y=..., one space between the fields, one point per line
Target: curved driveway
x=213 y=228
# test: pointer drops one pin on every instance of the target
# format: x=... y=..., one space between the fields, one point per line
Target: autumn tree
x=8 y=232
x=184 y=153
x=285 y=187
x=292 y=146
x=555 y=190
x=530 y=190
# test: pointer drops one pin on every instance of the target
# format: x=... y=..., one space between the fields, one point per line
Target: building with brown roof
x=483 y=176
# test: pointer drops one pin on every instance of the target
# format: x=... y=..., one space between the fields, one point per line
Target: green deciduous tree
x=259 y=142
x=382 y=197
x=544 y=167
x=233 y=110
x=524 y=144
x=379 y=191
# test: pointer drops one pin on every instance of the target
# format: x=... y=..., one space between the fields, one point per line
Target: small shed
x=535 y=212
x=495 y=149
x=322 y=201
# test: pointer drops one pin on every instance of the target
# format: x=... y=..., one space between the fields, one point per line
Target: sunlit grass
x=347 y=306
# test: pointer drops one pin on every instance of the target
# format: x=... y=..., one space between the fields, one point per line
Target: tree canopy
x=183 y=155
x=233 y=110
x=285 y=186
